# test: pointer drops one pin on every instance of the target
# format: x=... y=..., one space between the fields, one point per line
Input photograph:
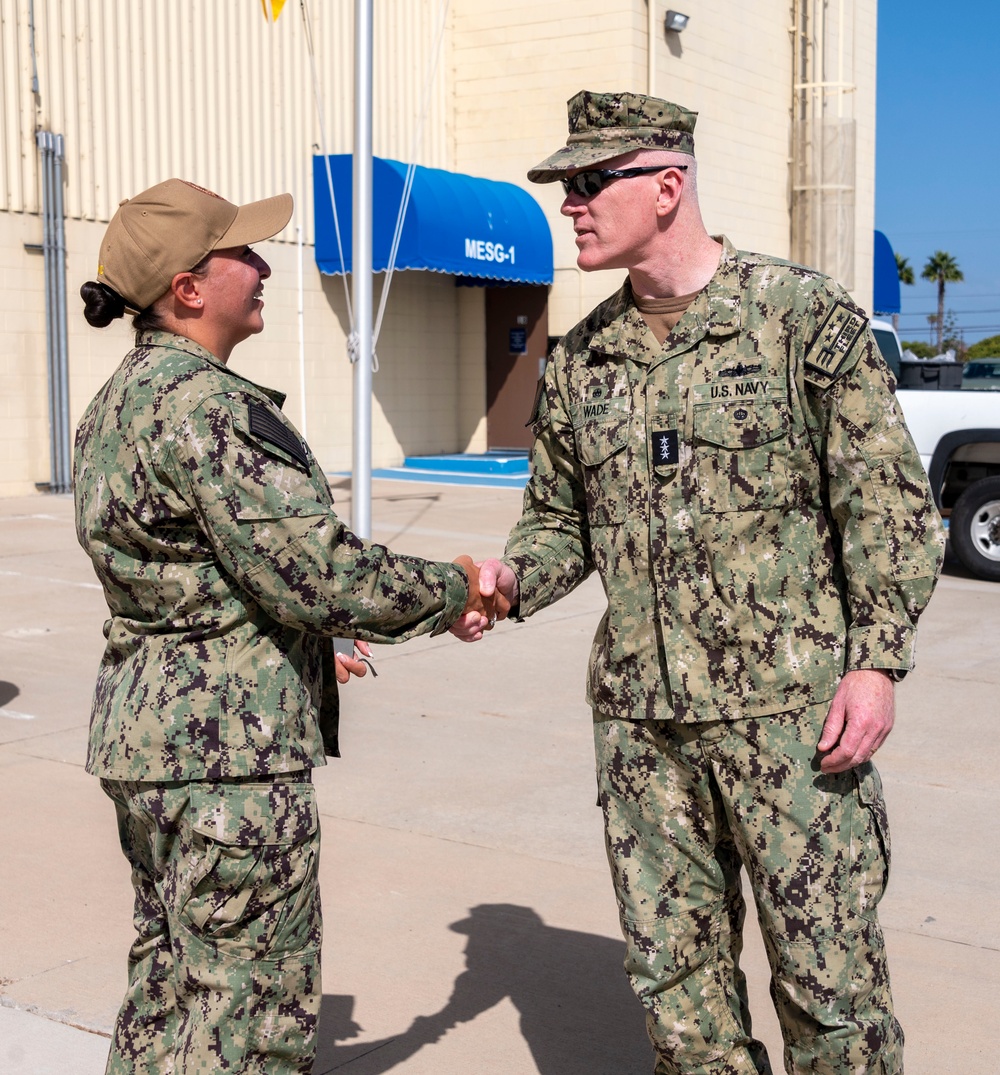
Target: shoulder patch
x=265 y=425
x=832 y=344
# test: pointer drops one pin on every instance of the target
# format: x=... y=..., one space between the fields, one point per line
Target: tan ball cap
x=170 y=228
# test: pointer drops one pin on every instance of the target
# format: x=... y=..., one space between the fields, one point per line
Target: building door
x=517 y=329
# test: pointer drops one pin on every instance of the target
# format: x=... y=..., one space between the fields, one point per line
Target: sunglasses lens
x=586 y=184
x=589 y=183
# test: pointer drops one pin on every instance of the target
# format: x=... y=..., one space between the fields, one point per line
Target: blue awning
x=454 y=223
x=885 y=292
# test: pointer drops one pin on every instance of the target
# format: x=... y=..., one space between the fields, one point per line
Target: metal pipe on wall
x=50 y=148
x=65 y=473
x=651 y=47
x=42 y=140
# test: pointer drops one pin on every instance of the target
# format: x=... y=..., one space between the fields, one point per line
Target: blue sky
x=937 y=178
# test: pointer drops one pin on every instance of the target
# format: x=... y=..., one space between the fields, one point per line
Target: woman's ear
x=184 y=287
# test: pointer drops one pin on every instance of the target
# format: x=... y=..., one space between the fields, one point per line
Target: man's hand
x=861 y=716
x=497 y=580
x=498 y=591
x=348 y=665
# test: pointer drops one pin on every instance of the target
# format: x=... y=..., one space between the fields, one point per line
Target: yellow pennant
x=276 y=6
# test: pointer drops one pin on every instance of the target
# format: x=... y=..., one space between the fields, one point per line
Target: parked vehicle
x=958 y=436
x=982 y=374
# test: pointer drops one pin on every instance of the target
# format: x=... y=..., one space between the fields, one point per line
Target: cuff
x=456 y=593
x=888 y=647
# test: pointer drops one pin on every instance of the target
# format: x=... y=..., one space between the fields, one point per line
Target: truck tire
x=974 y=529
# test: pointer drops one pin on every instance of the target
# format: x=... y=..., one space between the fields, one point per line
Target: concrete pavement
x=470 y=925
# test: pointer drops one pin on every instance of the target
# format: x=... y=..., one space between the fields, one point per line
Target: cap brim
x=568 y=158
x=257 y=221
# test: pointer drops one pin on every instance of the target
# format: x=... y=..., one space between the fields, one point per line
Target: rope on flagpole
x=408 y=184
x=352 y=338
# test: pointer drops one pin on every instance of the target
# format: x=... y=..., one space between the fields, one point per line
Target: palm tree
x=941 y=268
x=904 y=269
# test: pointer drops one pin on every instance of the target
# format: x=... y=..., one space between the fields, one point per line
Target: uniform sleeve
x=265 y=507
x=549 y=547
x=891 y=540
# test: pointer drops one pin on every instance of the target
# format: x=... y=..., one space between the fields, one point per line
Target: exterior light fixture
x=675 y=22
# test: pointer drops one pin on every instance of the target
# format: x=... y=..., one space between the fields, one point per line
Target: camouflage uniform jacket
x=211 y=527
x=748 y=492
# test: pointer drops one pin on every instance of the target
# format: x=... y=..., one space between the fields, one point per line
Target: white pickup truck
x=958 y=436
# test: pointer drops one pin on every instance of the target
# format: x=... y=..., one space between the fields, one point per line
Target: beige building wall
x=142 y=90
x=208 y=89
x=864 y=37
x=24 y=414
x=732 y=65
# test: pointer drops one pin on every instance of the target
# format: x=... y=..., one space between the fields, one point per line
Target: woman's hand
x=349 y=664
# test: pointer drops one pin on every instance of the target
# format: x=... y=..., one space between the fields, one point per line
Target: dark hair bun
x=102 y=304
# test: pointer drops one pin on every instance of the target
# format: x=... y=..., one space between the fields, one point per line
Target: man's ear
x=184 y=287
x=671 y=188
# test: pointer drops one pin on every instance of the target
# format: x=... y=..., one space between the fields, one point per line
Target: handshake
x=492 y=592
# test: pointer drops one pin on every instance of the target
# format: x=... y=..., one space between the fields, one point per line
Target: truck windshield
x=982 y=370
x=889 y=347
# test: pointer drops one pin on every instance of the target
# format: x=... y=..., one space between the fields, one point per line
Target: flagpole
x=361 y=487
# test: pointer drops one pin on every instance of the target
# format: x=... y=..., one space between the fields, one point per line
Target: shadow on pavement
x=577 y=1013
x=953 y=566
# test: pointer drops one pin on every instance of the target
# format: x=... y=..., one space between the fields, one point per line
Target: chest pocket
x=741 y=451
x=601 y=444
x=270 y=471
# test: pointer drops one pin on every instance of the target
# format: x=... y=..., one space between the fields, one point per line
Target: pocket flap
x=599 y=442
x=600 y=435
x=253 y=814
x=268 y=427
x=269 y=469
x=740 y=423
x=263 y=431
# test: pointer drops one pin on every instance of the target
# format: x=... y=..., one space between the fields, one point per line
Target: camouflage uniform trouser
x=224 y=974
x=686 y=807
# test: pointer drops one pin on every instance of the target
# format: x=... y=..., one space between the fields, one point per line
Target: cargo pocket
x=601 y=447
x=871 y=849
x=258 y=898
x=676 y=968
x=740 y=452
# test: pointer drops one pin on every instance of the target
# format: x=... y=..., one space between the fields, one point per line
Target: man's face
x=615 y=226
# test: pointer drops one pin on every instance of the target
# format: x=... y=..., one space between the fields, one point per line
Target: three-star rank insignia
x=665 y=447
x=832 y=344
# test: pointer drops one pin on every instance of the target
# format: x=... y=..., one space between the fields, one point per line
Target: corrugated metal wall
x=207 y=90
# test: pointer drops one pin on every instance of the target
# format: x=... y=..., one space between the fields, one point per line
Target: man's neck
x=685 y=269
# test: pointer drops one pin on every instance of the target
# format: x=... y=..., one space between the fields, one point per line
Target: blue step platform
x=498 y=469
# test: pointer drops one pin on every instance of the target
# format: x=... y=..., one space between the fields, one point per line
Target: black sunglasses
x=587 y=184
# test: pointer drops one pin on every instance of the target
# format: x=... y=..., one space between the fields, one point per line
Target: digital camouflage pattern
x=606 y=125
x=226 y=571
x=224 y=974
x=748 y=493
x=759 y=517
x=816 y=847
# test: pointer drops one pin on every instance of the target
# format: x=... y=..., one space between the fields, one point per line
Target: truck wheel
x=974 y=529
